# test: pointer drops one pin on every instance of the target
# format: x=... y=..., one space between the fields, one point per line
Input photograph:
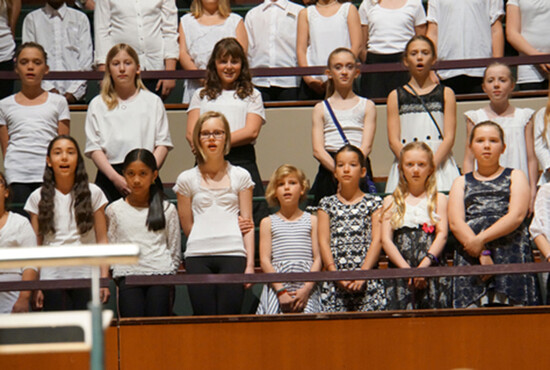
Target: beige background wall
x=286 y=138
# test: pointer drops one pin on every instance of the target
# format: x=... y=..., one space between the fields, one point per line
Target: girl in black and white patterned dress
x=349 y=237
x=414 y=231
x=288 y=243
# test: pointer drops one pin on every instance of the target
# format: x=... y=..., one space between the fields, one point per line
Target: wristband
x=434 y=260
x=486 y=252
x=281 y=291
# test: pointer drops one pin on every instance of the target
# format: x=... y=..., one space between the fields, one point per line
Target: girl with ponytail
x=145 y=219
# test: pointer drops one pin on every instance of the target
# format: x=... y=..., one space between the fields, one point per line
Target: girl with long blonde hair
x=414 y=230
x=123 y=117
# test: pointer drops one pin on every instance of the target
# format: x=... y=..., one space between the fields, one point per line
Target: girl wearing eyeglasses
x=211 y=197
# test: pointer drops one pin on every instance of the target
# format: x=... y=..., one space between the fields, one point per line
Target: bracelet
x=486 y=252
x=434 y=260
x=281 y=291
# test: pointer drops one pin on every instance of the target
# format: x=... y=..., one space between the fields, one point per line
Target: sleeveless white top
x=352 y=122
x=326 y=34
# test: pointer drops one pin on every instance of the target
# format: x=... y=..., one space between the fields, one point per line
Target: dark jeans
x=216 y=299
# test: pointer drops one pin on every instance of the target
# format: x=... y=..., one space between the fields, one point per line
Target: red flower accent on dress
x=428 y=229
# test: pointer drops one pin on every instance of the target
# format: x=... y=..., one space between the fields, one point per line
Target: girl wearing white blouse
x=145 y=219
x=123 y=117
x=211 y=197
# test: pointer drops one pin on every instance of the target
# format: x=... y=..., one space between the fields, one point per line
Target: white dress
x=200 y=41
x=416 y=125
x=515 y=155
x=16 y=232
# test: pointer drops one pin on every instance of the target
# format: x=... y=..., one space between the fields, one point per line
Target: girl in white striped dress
x=288 y=243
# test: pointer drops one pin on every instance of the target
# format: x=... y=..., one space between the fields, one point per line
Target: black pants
x=144 y=301
x=275 y=93
x=380 y=84
x=245 y=157
x=67 y=299
x=463 y=84
x=19 y=193
x=216 y=299
x=6 y=86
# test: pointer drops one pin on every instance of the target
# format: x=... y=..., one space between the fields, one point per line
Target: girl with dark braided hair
x=67 y=210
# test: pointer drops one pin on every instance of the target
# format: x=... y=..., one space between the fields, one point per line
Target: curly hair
x=227 y=47
x=402 y=189
x=155 y=216
x=80 y=192
x=280 y=173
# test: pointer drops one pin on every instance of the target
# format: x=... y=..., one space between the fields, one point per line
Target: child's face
x=348 y=169
x=416 y=167
x=139 y=178
x=343 y=69
x=419 y=58
x=212 y=137
x=498 y=83
x=123 y=69
x=487 y=145
x=289 y=190
x=63 y=158
x=228 y=70
x=31 y=66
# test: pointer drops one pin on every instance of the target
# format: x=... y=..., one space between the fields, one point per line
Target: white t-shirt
x=215 y=230
x=159 y=251
x=535 y=28
x=391 y=29
x=7 y=44
x=139 y=122
x=464 y=31
x=17 y=232
x=271 y=28
x=233 y=108
x=200 y=40
x=30 y=128
x=66 y=230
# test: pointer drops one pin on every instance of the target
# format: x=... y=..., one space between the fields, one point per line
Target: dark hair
x=5 y=183
x=420 y=38
x=82 y=202
x=155 y=217
x=31 y=44
x=354 y=149
x=228 y=46
x=488 y=124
